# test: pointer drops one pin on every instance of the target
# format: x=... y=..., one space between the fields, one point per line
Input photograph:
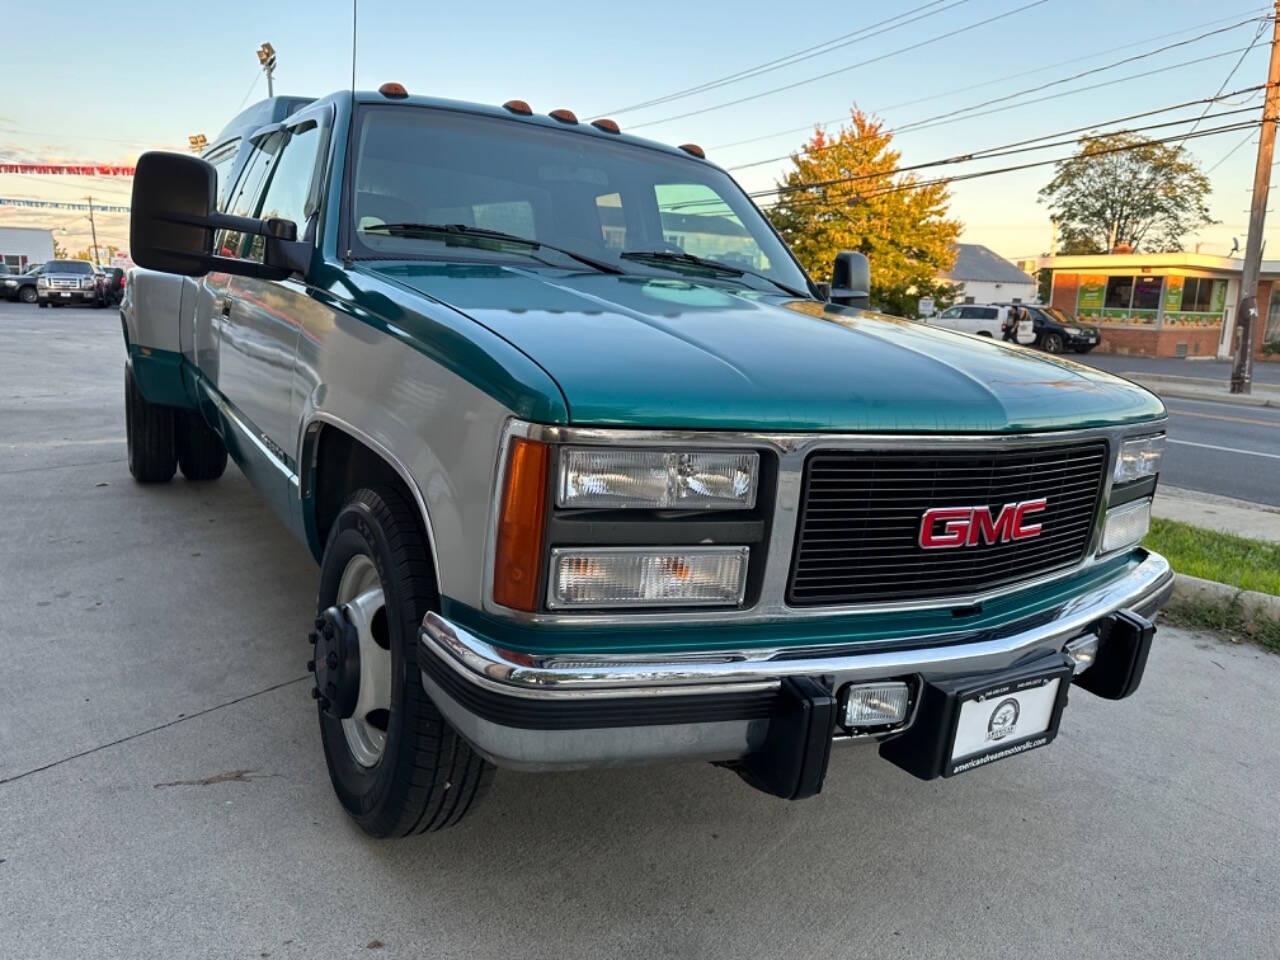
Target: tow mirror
x=851 y=280
x=174 y=217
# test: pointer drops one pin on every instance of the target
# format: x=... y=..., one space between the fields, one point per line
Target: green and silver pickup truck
x=595 y=474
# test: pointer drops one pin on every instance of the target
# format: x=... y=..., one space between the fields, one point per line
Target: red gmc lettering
x=948 y=527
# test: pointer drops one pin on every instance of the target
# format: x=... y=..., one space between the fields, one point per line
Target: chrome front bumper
x=566 y=712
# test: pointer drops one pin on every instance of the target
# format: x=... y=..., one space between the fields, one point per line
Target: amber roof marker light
x=518 y=106
x=564 y=116
x=395 y=91
x=607 y=125
x=521 y=525
x=694 y=150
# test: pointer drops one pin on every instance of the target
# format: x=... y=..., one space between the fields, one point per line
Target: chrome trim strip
x=228 y=411
x=792 y=450
x=520 y=674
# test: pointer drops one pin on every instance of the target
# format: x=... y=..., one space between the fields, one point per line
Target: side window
x=247 y=191
x=950 y=313
x=289 y=193
x=968 y=313
x=987 y=313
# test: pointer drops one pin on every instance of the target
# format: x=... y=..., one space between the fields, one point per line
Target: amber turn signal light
x=521 y=525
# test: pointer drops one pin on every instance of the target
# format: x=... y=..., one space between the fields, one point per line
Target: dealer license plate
x=65 y=294
x=1005 y=721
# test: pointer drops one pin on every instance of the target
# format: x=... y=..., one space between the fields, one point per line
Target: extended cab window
x=422 y=173
x=223 y=159
x=289 y=194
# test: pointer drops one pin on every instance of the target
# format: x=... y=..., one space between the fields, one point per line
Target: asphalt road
x=1219 y=448
x=163 y=792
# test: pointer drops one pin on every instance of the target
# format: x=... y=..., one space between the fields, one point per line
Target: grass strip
x=1237 y=561
x=1223 y=617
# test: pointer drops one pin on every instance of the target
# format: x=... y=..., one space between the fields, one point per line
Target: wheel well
x=343 y=465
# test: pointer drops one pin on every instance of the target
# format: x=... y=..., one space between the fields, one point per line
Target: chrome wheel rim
x=361 y=598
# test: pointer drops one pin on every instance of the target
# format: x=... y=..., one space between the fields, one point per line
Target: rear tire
x=418 y=775
x=149 y=432
x=201 y=453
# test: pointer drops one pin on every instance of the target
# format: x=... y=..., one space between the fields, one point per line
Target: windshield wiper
x=452 y=232
x=670 y=257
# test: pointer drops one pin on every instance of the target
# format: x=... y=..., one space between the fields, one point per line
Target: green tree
x=59 y=251
x=1123 y=188
x=870 y=207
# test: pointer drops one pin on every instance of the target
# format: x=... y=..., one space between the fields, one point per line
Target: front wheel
x=1052 y=343
x=27 y=295
x=397 y=766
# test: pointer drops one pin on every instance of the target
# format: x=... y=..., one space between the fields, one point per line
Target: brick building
x=1165 y=304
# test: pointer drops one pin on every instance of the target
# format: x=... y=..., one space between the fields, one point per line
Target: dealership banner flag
x=56 y=205
x=70 y=169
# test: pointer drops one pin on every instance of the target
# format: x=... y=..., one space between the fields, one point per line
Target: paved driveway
x=163 y=792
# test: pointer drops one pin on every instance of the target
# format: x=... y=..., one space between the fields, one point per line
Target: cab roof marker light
x=694 y=150
x=518 y=106
x=607 y=125
x=564 y=116
x=394 y=91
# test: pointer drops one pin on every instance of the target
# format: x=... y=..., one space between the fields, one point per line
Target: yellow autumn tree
x=864 y=204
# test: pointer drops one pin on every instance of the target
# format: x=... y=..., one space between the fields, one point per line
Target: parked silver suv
x=67 y=281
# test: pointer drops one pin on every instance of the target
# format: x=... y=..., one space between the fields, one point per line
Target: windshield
x=69 y=266
x=417 y=165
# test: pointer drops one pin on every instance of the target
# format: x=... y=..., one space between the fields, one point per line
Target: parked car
x=63 y=282
x=583 y=496
x=21 y=286
x=112 y=285
x=988 y=320
x=1057 y=331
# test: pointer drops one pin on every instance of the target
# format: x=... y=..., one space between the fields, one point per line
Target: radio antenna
x=353 y=48
x=351 y=126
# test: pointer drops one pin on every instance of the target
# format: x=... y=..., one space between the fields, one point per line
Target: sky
x=148 y=76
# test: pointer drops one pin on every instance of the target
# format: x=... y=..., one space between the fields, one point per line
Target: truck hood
x=681 y=353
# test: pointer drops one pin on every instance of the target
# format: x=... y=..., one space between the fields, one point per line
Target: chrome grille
x=858 y=534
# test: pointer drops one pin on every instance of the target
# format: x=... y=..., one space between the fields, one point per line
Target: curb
x=1254 y=605
x=1181 y=390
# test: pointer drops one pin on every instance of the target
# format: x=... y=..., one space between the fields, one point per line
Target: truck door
x=259 y=337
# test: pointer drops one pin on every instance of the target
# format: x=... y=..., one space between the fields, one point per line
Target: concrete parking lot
x=163 y=791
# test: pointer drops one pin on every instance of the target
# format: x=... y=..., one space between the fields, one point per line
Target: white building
x=986 y=277
x=20 y=247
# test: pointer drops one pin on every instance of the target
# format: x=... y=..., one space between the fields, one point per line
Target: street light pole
x=267 y=57
x=93 y=230
x=1247 y=309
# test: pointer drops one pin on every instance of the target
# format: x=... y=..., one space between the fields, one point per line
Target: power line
x=831 y=73
x=1262 y=26
x=1227 y=155
x=1249 y=125
x=986 y=83
x=952 y=116
x=862 y=33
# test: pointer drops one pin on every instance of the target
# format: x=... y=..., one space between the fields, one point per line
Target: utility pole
x=92 y=228
x=267 y=57
x=1247 y=309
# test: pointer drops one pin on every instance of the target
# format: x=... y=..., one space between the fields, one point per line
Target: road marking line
x=1214 y=446
x=1218 y=416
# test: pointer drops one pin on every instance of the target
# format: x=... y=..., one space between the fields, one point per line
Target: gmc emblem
x=943 y=528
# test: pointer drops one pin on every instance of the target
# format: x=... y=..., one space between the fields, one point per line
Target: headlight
x=1074 y=331
x=41 y=282
x=1126 y=525
x=1139 y=458
x=600 y=477
x=647 y=577
x=88 y=282
x=11 y=283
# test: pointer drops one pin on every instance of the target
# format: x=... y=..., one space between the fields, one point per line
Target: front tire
x=397 y=766
x=201 y=453
x=149 y=432
x=27 y=295
x=1052 y=343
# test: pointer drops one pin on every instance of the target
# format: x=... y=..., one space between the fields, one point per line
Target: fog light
x=1126 y=525
x=644 y=577
x=1083 y=651
x=875 y=704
